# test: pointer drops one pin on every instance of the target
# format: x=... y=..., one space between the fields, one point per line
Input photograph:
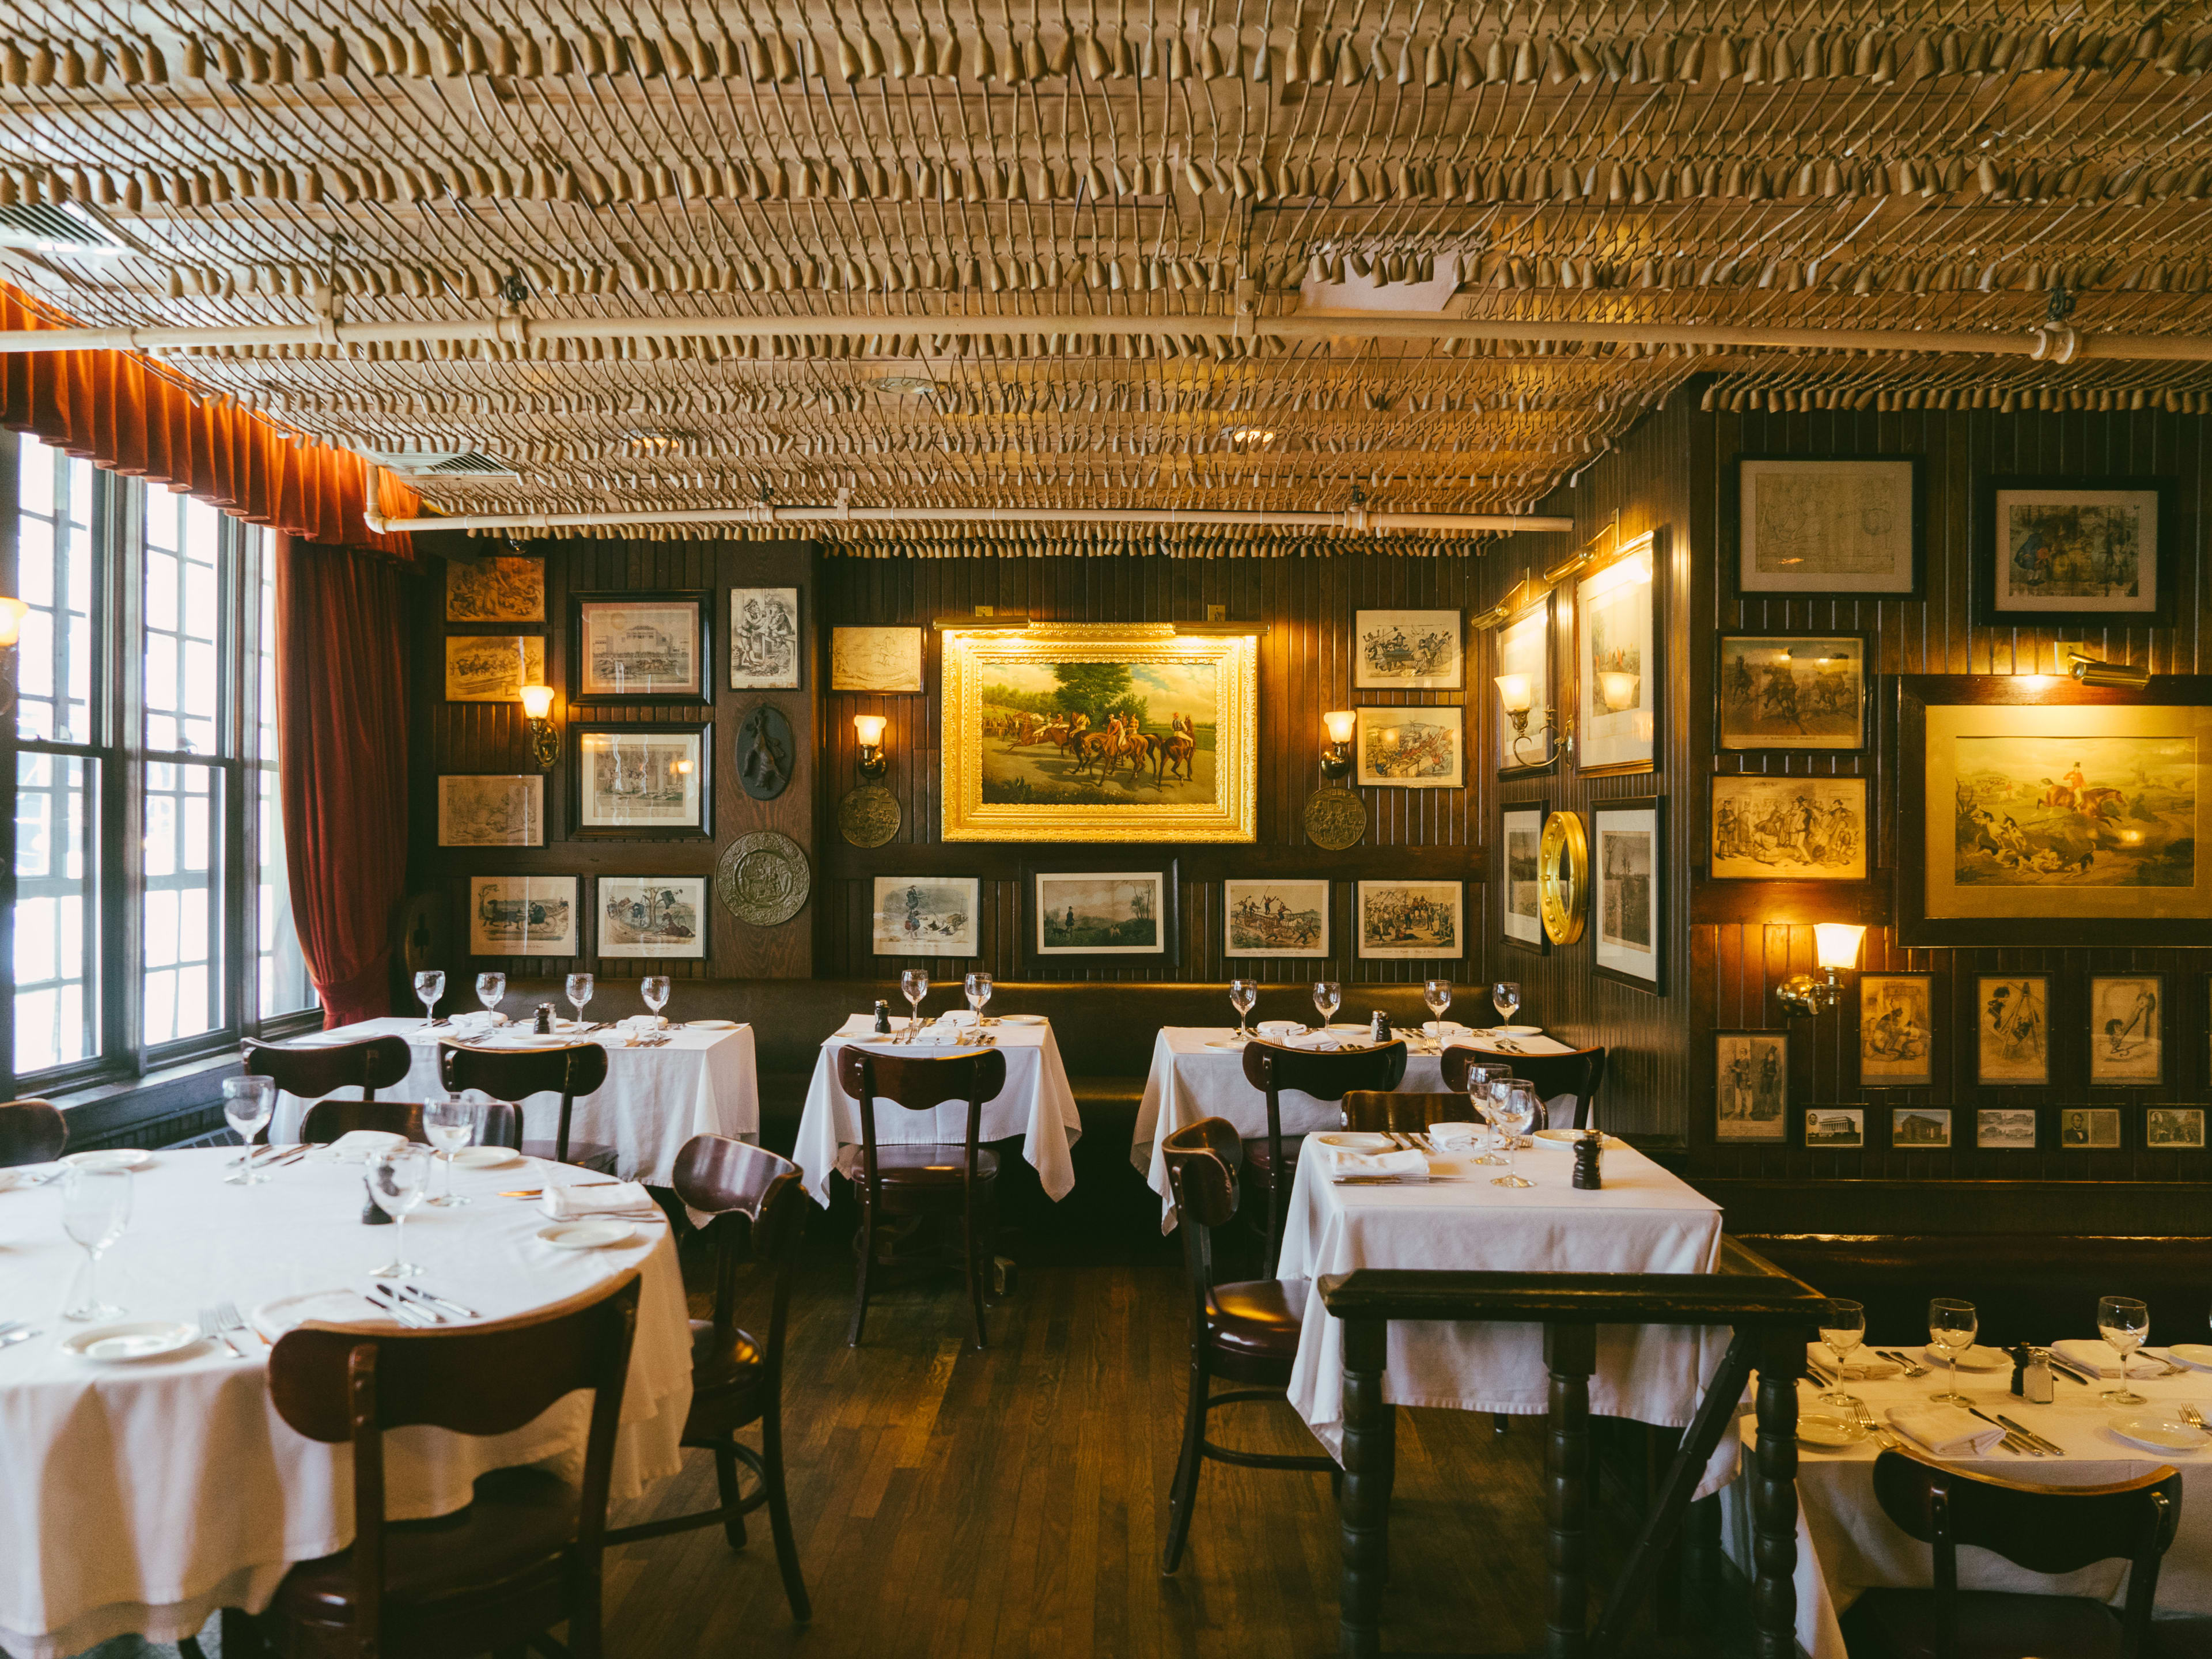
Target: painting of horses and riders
x=1792 y=692
x=1099 y=733
x=2062 y=812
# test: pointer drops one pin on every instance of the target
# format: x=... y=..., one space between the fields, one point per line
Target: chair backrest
x=918 y=1083
x=1325 y=1076
x=340 y=1384
x=1372 y=1108
x=759 y=1210
x=571 y=1072
x=326 y=1120
x=1577 y=1073
x=1201 y=1159
x=1458 y=1065
x=2046 y=1529
x=31 y=1132
x=371 y=1064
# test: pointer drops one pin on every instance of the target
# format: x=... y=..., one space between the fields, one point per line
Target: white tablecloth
x=652 y=1102
x=1641 y=1221
x=1846 y=1545
x=1190 y=1080
x=141 y=1498
x=1036 y=1105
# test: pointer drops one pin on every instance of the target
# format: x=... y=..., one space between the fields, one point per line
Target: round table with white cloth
x=141 y=1497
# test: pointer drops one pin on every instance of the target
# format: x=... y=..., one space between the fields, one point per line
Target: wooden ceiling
x=979 y=180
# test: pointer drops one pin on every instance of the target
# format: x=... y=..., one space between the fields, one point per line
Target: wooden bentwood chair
x=760 y=1209
x=2046 y=1529
x=32 y=1131
x=916 y=1178
x=1246 y=1330
x=525 y=1555
x=1408 y=1114
x=372 y=1063
x=326 y=1120
x=571 y=1073
x=1577 y=1073
x=1272 y=1158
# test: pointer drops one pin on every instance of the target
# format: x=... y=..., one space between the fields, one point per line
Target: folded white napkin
x=359 y=1144
x=1279 y=1027
x=643 y=1022
x=2101 y=1359
x=1320 y=1042
x=593 y=1198
x=956 y=1016
x=1444 y=1027
x=1870 y=1368
x=1946 y=1431
x=1393 y=1166
x=1458 y=1137
x=477 y=1018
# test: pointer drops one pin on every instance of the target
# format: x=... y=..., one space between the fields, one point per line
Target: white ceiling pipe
x=1378 y=523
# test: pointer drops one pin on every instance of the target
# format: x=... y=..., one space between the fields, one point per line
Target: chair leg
x=1182 y=1492
x=725 y=1482
x=968 y=1243
x=868 y=1260
x=1498 y=1422
x=779 y=1514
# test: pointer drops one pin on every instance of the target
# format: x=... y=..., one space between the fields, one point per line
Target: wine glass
x=581 y=986
x=979 y=994
x=396 y=1177
x=449 y=1125
x=654 y=988
x=915 y=983
x=429 y=987
x=95 y=1212
x=2125 y=1323
x=1326 y=994
x=1505 y=997
x=1483 y=1083
x=1842 y=1328
x=490 y=988
x=1951 y=1328
x=1436 y=993
x=1513 y=1109
x=247 y=1105
x=1243 y=997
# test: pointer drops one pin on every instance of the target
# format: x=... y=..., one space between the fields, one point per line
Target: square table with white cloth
x=701 y=1081
x=1036 y=1105
x=1642 y=1220
x=1846 y=1545
x=1198 y=1071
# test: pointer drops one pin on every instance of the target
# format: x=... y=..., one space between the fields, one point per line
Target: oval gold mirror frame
x=1563 y=878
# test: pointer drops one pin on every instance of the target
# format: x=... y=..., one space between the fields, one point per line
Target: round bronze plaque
x=869 y=816
x=763 y=878
x=1335 y=818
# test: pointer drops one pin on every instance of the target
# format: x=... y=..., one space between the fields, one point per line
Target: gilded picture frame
x=1110 y=732
x=1619 y=681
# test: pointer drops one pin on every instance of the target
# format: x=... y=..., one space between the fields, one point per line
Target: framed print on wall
x=653 y=917
x=1920 y=1128
x=2175 y=1128
x=1897 y=1033
x=1835 y=1128
x=2077 y=552
x=1109 y=913
x=1410 y=748
x=1275 y=918
x=763 y=639
x=2004 y=1128
x=1407 y=651
x=1830 y=526
x=1751 y=1074
x=641 y=782
x=2089 y=1128
x=1617 y=663
x=491 y=811
x=1521 y=833
x=1526 y=690
x=2012 y=1029
x=1792 y=691
x=875 y=660
x=505 y=588
x=493 y=667
x=522 y=916
x=2127 y=1038
x=1788 y=829
x=927 y=916
x=1629 y=860
x=1410 y=920
x=639 y=648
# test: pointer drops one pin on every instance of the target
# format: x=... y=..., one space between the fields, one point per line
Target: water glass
x=1483 y=1083
x=2125 y=1323
x=429 y=987
x=248 y=1103
x=654 y=988
x=1513 y=1109
x=979 y=994
x=1951 y=1328
x=449 y=1125
x=1328 y=995
x=95 y=1212
x=581 y=986
x=1436 y=993
x=1243 y=997
x=1505 y=997
x=397 y=1176
x=915 y=983
x=1842 y=1328
x=490 y=988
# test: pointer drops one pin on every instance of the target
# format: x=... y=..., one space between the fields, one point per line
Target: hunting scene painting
x=2075 y=811
x=926 y=916
x=652 y=917
x=1277 y=918
x=2087 y=552
x=1099 y=733
x=1117 y=914
x=1409 y=748
x=1406 y=920
x=1788 y=693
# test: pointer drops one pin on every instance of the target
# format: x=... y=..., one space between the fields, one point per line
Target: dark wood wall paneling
x=493 y=737
x=1305 y=668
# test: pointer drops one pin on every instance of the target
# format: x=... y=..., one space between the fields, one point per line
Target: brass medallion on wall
x=869 y=816
x=763 y=878
x=1335 y=818
x=765 y=753
x=1563 y=878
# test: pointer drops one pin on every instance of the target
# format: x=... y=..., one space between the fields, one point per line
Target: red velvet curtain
x=342 y=731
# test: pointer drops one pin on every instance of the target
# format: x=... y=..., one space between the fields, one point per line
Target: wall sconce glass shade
x=1837 y=944
x=1339 y=722
x=869 y=729
x=537 y=702
x=1517 y=692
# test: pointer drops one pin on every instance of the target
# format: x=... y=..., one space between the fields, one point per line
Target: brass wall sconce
x=1517 y=695
x=870 y=814
x=12 y=612
x=2091 y=670
x=544 y=737
x=869 y=730
x=1336 y=816
x=1336 y=759
x=1837 y=946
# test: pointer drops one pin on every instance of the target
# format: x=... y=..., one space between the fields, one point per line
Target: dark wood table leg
x=1571 y=1355
x=1364 y=1496
x=1774 y=1497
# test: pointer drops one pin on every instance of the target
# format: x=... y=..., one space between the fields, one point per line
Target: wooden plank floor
x=1011 y=1502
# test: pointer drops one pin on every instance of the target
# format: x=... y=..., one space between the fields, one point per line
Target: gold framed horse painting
x=1100 y=732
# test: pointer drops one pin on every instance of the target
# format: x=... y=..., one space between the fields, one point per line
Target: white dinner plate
x=1357 y=1140
x=529 y=1039
x=1829 y=1433
x=139 y=1339
x=2158 y=1431
x=331 y=1307
x=712 y=1024
x=1979 y=1357
x=114 y=1157
x=2195 y=1355
x=1512 y=1031
x=1023 y=1019
x=586 y=1234
x=485 y=1157
x=1568 y=1137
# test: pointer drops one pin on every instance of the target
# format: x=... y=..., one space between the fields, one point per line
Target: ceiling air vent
x=44 y=228
x=443 y=463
